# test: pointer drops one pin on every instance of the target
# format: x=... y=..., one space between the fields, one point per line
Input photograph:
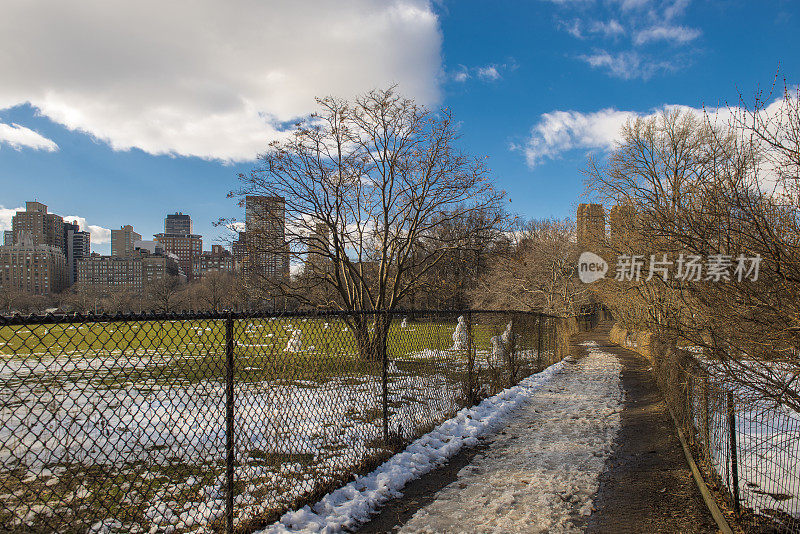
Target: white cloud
x=612 y=28
x=488 y=73
x=99 y=235
x=462 y=74
x=561 y=131
x=5 y=216
x=485 y=73
x=206 y=78
x=626 y=26
x=573 y=28
x=19 y=137
x=675 y=9
x=627 y=65
x=622 y=65
x=676 y=34
x=237 y=226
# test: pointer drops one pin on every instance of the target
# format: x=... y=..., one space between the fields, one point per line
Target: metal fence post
x=540 y=342
x=734 y=459
x=229 y=400
x=690 y=412
x=470 y=362
x=705 y=436
x=512 y=358
x=381 y=345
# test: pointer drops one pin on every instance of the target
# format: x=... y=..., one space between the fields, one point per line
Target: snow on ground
x=539 y=473
x=153 y=421
x=289 y=438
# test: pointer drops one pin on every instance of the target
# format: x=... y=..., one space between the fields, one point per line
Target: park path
x=647 y=485
x=594 y=451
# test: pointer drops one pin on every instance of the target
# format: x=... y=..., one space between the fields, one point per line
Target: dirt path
x=645 y=485
x=540 y=472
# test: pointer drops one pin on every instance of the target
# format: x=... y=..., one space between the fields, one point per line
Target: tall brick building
x=621 y=220
x=40 y=227
x=38 y=269
x=178 y=239
x=265 y=226
x=123 y=241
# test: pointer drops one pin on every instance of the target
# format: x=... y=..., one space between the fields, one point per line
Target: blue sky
x=120 y=113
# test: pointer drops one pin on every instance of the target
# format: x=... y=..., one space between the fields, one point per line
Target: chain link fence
x=222 y=422
x=747 y=448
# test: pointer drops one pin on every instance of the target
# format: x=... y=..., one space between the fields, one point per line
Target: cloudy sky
x=121 y=112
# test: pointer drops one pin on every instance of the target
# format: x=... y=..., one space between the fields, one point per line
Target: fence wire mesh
x=222 y=422
x=748 y=449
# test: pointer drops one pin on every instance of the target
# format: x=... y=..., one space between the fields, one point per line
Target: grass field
x=122 y=425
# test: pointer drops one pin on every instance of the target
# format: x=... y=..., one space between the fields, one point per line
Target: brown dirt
x=647 y=485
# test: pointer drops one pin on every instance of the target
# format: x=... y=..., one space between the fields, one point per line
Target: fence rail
x=202 y=422
x=747 y=448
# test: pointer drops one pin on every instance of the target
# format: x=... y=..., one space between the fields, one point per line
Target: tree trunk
x=372 y=334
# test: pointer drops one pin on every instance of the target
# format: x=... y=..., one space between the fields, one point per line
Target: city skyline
x=44 y=254
x=536 y=87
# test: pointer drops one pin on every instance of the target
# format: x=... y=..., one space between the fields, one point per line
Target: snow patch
x=353 y=504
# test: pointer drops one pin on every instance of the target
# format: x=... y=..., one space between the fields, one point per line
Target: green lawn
x=191 y=351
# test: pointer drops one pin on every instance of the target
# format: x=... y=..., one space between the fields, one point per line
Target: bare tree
x=534 y=271
x=366 y=186
x=708 y=189
x=15 y=300
x=215 y=291
x=83 y=298
x=165 y=294
x=447 y=285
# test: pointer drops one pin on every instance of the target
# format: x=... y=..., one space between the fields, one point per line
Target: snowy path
x=541 y=472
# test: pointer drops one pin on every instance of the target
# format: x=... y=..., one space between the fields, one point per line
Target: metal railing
x=200 y=422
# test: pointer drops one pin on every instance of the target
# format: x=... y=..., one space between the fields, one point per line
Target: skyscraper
x=317 y=260
x=77 y=246
x=621 y=220
x=178 y=239
x=122 y=240
x=267 y=262
x=178 y=223
x=239 y=249
x=40 y=227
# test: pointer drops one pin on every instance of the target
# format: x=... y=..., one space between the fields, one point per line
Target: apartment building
x=178 y=223
x=123 y=240
x=132 y=272
x=267 y=250
x=38 y=269
x=39 y=226
x=77 y=245
x=187 y=248
x=218 y=259
x=591 y=223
